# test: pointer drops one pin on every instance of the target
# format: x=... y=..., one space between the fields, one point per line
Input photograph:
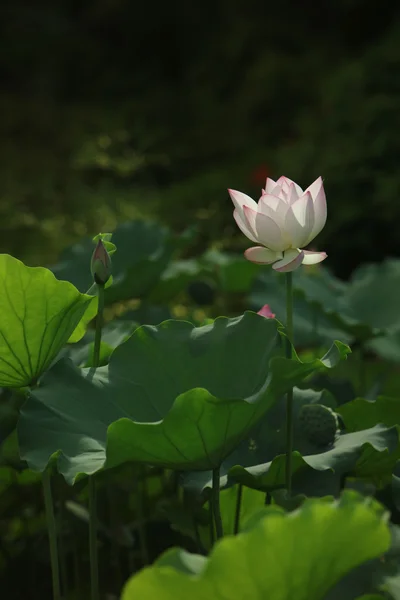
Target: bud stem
x=99 y=325
x=94 y=563
x=52 y=532
x=215 y=502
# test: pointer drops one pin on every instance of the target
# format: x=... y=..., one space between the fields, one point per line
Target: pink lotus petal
x=261 y=255
x=269 y=200
x=293 y=194
x=285 y=182
x=269 y=185
x=275 y=208
x=313 y=258
x=299 y=221
x=320 y=212
x=266 y=230
x=315 y=187
x=243 y=226
x=292 y=260
x=239 y=200
x=266 y=312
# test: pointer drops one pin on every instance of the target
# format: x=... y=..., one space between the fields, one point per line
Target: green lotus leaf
x=259 y=461
x=360 y=413
x=113 y=334
x=175 y=279
x=233 y=273
x=38 y=316
x=373 y=295
x=368 y=453
x=172 y=395
x=313 y=322
x=364 y=308
x=265 y=441
x=282 y=556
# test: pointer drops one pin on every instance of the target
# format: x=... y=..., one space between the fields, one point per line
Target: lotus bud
x=101 y=264
x=266 y=312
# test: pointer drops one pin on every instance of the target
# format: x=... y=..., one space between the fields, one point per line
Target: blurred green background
x=114 y=109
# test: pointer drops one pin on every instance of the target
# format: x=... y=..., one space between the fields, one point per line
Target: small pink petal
x=291 y=260
x=261 y=255
x=313 y=258
x=266 y=312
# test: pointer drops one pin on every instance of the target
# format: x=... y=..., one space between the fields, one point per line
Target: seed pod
x=319 y=424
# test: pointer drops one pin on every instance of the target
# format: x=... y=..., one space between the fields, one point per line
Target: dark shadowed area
x=113 y=109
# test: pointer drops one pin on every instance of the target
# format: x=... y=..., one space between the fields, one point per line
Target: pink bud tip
x=266 y=312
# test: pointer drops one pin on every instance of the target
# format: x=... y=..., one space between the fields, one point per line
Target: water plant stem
x=94 y=561
x=216 y=504
x=362 y=372
x=141 y=491
x=289 y=396
x=52 y=532
x=94 y=564
x=238 y=507
x=99 y=325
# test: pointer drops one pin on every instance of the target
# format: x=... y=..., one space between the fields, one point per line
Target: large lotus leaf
x=144 y=250
x=364 y=308
x=259 y=461
x=113 y=334
x=360 y=413
x=387 y=346
x=373 y=296
x=313 y=322
x=38 y=315
x=172 y=395
x=266 y=440
x=282 y=556
x=370 y=453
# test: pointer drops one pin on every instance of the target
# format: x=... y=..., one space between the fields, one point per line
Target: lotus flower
x=284 y=221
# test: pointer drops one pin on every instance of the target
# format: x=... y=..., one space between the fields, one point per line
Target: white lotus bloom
x=284 y=221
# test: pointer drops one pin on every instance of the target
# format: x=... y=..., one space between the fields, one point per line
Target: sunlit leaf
x=283 y=556
x=38 y=314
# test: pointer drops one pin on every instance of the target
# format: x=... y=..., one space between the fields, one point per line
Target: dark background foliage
x=112 y=109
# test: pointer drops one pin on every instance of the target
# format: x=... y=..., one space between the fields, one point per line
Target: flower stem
x=94 y=565
x=362 y=372
x=141 y=503
x=215 y=503
x=52 y=532
x=94 y=561
x=289 y=396
x=99 y=325
x=238 y=507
